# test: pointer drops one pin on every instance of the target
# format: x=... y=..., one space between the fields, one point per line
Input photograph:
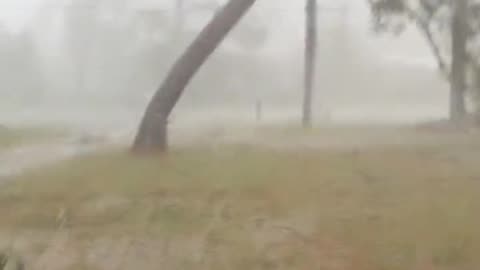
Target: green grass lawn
x=244 y=208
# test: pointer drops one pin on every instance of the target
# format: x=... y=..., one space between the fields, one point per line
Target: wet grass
x=390 y=208
x=11 y=137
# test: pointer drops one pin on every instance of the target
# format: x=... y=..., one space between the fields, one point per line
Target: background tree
x=459 y=28
x=152 y=134
x=21 y=79
x=248 y=35
x=81 y=21
x=113 y=54
x=450 y=28
x=99 y=38
x=176 y=29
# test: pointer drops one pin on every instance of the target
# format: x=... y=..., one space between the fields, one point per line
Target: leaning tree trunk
x=459 y=61
x=310 y=57
x=152 y=133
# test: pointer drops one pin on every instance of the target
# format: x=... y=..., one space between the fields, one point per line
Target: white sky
x=16 y=13
x=285 y=16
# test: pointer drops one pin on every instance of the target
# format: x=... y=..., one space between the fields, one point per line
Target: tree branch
x=442 y=65
x=424 y=27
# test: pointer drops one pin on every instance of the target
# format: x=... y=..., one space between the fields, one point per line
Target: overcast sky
x=284 y=16
x=16 y=13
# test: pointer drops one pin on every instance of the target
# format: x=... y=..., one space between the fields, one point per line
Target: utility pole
x=310 y=60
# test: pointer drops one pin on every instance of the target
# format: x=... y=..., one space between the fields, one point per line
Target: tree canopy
x=432 y=18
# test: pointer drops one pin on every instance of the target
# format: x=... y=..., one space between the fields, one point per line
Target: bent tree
x=152 y=134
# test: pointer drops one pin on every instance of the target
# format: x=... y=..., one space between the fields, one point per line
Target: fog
x=95 y=64
x=103 y=167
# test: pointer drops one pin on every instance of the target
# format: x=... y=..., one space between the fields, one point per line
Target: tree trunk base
x=152 y=138
x=458 y=110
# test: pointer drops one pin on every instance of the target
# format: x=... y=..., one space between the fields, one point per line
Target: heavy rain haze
x=96 y=63
x=239 y=134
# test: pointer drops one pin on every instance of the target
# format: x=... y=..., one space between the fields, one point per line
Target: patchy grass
x=18 y=136
x=244 y=208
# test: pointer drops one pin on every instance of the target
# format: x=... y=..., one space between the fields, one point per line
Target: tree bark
x=476 y=91
x=152 y=133
x=310 y=57
x=459 y=61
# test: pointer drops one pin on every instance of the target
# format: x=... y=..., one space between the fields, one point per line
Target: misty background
x=95 y=63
